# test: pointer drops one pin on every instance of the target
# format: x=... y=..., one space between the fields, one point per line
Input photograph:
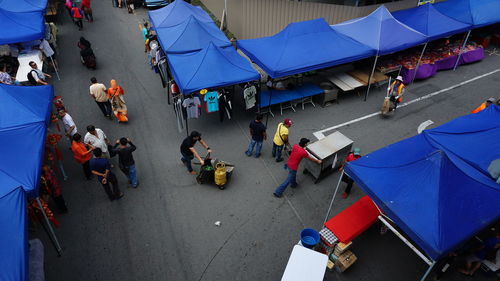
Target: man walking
x=82 y=154
x=96 y=138
x=68 y=123
x=124 y=148
x=298 y=153
x=188 y=151
x=258 y=133
x=355 y=154
x=281 y=138
x=102 y=168
x=36 y=76
x=98 y=92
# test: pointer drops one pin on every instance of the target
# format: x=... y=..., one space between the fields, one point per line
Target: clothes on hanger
x=191 y=105
x=225 y=105
x=250 y=94
x=212 y=101
x=179 y=116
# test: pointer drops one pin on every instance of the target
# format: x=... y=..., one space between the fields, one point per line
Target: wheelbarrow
x=215 y=172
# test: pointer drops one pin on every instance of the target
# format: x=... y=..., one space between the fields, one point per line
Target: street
x=164 y=229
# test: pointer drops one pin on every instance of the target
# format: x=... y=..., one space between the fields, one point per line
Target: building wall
x=257 y=18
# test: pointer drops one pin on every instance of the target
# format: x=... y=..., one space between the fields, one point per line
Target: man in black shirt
x=188 y=152
x=124 y=148
x=258 y=133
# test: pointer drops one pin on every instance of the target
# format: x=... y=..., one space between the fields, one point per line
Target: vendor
x=396 y=91
x=5 y=77
x=484 y=105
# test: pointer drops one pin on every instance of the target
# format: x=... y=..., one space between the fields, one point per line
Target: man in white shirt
x=37 y=74
x=98 y=92
x=69 y=124
x=97 y=138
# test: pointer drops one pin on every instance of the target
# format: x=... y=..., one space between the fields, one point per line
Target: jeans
x=251 y=145
x=132 y=175
x=105 y=107
x=277 y=149
x=291 y=180
x=186 y=159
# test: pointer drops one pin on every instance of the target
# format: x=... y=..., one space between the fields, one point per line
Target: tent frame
x=427 y=260
x=461 y=50
x=50 y=231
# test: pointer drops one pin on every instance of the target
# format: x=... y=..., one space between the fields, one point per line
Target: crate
x=345 y=260
x=341 y=248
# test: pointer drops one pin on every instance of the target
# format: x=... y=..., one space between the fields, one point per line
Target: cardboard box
x=341 y=248
x=345 y=260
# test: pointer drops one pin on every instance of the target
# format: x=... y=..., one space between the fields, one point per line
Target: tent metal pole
x=269 y=106
x=370 y=77
x=333 y=197
x=461 y=50
x=428 y=271
x=52 y=234
x=408 y=243
x=418 y=63
x=55 y=68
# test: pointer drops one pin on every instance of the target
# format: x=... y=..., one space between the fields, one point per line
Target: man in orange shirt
x=484 y=105
x=82 y=154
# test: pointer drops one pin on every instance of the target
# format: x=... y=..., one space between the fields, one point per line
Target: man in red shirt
x=298 y=153
x=355 y=154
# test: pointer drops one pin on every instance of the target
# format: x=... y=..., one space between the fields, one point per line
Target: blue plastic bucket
x=309 y=237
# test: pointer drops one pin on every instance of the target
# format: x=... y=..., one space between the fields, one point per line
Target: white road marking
x=424 y=125
x=320 y=134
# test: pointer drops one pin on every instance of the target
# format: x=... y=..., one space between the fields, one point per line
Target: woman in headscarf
x=86 y=54
x=115 y=95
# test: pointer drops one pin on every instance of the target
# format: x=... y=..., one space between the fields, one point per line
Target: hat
x=288 y=122
x=400 y=78
x=356 y=151
x=303 y=142
x=492 y=100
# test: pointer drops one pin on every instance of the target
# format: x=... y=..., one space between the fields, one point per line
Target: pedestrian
x=36 y=76
x=353 y=155
x=258 y=133
x=68 y=4
x=145 y=36
x=124 y=148
x=87 y=56
x=69 y=125
x=298 y=153
x=101 y=167
x=98 y=92
x=281 y=138
x=82 y=154
x=484 y=105
x=115 y=95
x=96 y=138
x=188 y=151
x=130 y=6
x=396 y=91
x=77 y=15
x=87 y=11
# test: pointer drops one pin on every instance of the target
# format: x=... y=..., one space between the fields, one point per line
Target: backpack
x=31 y=79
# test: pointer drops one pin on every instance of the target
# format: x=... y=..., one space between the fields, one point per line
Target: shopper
x=145 y=35
x=124 y=148
x=115 y=96
x=298 y=153
x=188 y=151
x=353 y=155
x=87 y=11
x=69 y=125
x=77 y=15
x=96 y=138
x=130 y=6
x=36 y=76
x=82 y=154
x=258 y=133
x=98 y=92
x=281 y=138
x=101 y=167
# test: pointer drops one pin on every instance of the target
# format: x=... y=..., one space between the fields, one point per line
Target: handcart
x=215 y=171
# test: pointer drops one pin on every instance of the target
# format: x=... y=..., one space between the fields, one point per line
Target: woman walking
x=76 y=13
x=87 y=11
x=115 y=95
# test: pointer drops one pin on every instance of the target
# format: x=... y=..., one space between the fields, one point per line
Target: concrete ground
x=164 y=230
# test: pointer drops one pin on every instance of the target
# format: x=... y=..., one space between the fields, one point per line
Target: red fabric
x=298 y=153
x=354 y=220
x=85 y=4
x=76 y=13
x=174 y=89
x=351 y=157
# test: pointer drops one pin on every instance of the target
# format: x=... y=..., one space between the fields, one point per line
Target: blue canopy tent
x=438 y=192
x=382 y=32
x=473 y=12
x=209 y=68
x=24 y=115
x=16 y=27
x=190 y=36
x=176 y=13
x=22 y=6
x=301 y=47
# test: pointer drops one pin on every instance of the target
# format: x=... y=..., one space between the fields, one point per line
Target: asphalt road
x=164 y=230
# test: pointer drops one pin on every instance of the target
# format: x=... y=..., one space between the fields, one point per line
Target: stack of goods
x=388 y=65
x=340 y=257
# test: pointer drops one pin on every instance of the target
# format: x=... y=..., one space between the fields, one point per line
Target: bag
x=31 y=79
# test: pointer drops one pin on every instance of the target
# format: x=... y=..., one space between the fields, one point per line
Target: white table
x=24 y=68
x=305 y=264
x=345 y=81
